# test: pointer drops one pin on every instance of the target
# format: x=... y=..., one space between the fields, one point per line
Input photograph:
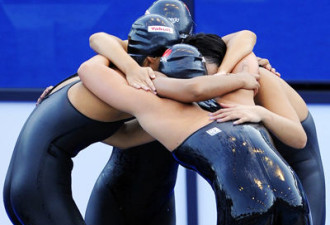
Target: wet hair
x=211 y=46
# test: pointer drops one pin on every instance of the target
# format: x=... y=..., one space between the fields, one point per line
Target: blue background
x=43 y=41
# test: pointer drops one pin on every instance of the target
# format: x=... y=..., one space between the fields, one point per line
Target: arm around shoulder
x=279 y=115
x=239 y=45
x=203 y=87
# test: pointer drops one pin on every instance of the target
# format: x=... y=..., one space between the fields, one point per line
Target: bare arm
x=281 y=119
x=204 y=87
x=115 y=50
x=129 y=135
x=239 y=45
x=274 y=111
x=110 y=85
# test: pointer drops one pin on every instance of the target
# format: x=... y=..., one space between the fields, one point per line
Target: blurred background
x=44 y=41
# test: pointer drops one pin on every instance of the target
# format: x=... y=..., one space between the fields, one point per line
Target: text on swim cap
x=161 y=29
x=174 y=19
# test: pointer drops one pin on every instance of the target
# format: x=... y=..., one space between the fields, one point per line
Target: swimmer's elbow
x=249 y=34
x=298 y=141
x=301 y=142
x=93 y=39
x=85 y=69
x=249 y=38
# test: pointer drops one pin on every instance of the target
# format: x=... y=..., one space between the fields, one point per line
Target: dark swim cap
x=182 y=61
x=185 y=61
x=151 y=35
x=176 y=12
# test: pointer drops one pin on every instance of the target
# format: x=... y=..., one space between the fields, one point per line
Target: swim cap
x=182 y=61
x=185 y=61
x=151 y=35
x=176 y=12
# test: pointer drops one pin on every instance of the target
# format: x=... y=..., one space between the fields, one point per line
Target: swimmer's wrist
x=262 y=112
x=130 y=66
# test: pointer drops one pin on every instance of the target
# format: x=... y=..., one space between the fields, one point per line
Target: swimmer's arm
x=129 y=135
x=115 y=50
x=102 y=43
x=207 y=87
x=203 y=87
x=111 y=87
x=239 y=45
x=280 y=117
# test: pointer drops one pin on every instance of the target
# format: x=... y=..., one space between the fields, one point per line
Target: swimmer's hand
x=42 y=96
x=265 y=64
x=238 y=113
x=141 y=78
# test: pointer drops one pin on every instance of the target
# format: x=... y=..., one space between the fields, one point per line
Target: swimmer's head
x=182 y=61
x=176 y=12
x=151 y=35
x=211 y=46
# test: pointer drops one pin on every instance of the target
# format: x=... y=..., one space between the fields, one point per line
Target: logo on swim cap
x=161 y=29
x=167 y=53
x=173 y=19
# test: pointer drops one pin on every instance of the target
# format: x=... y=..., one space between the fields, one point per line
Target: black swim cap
x=176 y=12
x=151 y=35
x=182 y=61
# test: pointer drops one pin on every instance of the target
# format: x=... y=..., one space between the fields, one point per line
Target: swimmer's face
x=212 y=68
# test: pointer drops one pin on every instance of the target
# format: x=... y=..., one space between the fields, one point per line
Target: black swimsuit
x=307 y=164
x=252 y=184
x=38 y=184
x=135 y=187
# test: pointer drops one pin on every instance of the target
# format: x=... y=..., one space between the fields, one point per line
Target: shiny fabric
x=135 y=187
x=308 y=166
x=252 y=184
x=37 y=189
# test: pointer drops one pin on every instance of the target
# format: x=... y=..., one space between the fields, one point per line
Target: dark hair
x=211 y=46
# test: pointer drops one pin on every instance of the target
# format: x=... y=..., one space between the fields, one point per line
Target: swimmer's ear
x=152 y=62
x=149 y=60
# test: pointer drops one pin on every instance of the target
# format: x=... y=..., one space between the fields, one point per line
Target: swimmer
x=251 y=192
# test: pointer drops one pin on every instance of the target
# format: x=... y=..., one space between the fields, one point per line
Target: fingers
x=224 y=117
x=143 y=80
x=222 y=113
x=263 y=62
x=240 y=121
x=255 y=91
x=151 y=73
x=146 y=85
x=135 y=85
x=151 y=85
x=43 y=95
x=256 y=76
